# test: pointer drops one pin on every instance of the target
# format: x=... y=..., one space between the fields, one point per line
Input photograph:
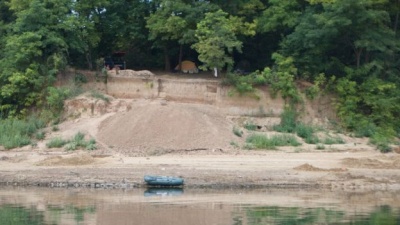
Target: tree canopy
x=353 y=44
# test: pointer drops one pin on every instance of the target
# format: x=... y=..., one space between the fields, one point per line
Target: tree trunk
x=358 y=56
x=89 y=60
x=366 y=57
x=180 y=57
x=167 y=61
x=396 y=20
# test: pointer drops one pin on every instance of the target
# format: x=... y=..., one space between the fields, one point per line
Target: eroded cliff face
x=129 y=84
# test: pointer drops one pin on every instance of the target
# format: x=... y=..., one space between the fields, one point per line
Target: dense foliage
x=354 y=45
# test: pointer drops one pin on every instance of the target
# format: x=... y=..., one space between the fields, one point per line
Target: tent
x=188 y=67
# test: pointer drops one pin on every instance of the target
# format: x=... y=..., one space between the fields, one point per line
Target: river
x=47 y=206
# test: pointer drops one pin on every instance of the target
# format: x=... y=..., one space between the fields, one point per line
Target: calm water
x=192 y=207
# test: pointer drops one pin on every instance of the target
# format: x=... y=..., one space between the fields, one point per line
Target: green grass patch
x=250 y=126
x=17 y=133
x=333 y=140
x=76 y=142
x=258 y=141
x=56 y=142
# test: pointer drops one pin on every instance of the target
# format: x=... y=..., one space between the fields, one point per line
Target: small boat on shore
x=163 y=180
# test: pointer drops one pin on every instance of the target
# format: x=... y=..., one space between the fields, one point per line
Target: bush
x=365 y=129
x=77 y=142
x=263 y=142
x=320 y=147
x=56 y=142
x=80 y=79
x=250 y=126
x=91 y=145
x=237 y=131
x=56 y=98
x=304 y=131
x=98 y=95
x=333 y=140
x=40 y=135
x=288 y=121
x=382 y=141
x=17 y=133
x=311 y=139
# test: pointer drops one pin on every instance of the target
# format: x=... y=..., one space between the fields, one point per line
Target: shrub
x=288 y=121
x=98 y=95
x=71 y=146
x=320 y=147
x=56 y=97
x=79 y=142
x=250 y=126
x=237 y=131
x=91 y=145
x=333 y=140
x=263 y=142
x=365 y=129
x=311 y=139
x=40 y=135
x=234 y=144
x=55 y=128
x=382 y=141
x=79 y=139
x=80 y=79
x=56 y=142
x=17 y=133
x=304 y=131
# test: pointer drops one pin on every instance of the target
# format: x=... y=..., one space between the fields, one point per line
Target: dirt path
x=191 y=141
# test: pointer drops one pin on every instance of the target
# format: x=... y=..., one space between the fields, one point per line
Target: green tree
x=87 y=19
x=35 y=49
x=176 y=21
x=217 y=37
x=355 y=41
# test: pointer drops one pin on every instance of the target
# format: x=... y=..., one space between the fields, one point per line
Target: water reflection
x=18 y=215
x=163 y=192
x=195 y=207
x=382 y=215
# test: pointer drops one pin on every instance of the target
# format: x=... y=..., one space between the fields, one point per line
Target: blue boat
x=163 y=181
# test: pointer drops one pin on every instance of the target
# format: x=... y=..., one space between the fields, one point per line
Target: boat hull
x=163 y=181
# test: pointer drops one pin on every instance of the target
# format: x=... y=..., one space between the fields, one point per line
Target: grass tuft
x=259 y=141
x=250 y=126
x=76 y=142
x=56 y=142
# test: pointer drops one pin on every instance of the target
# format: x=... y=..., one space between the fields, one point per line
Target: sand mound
x=156 y=126
x=308 y=167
